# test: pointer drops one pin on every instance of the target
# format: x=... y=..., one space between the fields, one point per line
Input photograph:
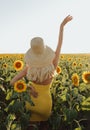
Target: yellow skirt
x=42 y=104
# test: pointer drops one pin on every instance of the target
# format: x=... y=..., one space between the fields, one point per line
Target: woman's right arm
x=20 y=75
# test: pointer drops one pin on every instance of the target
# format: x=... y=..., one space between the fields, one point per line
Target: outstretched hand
x=66 y=20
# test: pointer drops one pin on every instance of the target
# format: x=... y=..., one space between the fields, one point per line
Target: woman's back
x=40 y=63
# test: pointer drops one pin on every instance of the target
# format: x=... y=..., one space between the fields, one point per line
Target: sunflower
x=86 y=77
x=58 y=69
x=87 y=65
x=21 y=56
x=7 y=56
x=62 y=56
x=80 y=64
x=74 y=64
x=18 y=65
x=1 y=58
x=79 y=59
x=75 y=79
x=20 y=86
x=5 y=65
x=69 y=59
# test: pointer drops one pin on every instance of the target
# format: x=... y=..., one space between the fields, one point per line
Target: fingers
x=69 y=17
x=33 y=92
x=66 y=20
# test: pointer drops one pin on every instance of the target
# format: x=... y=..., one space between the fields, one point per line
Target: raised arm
x=60 y=39
x=20 y=75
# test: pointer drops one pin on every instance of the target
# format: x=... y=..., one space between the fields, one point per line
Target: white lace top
x=40 y=74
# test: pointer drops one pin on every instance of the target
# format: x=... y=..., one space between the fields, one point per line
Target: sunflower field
x=70 y=94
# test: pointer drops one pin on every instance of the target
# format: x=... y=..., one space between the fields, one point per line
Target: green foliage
x=13 y=112
x=71 y=104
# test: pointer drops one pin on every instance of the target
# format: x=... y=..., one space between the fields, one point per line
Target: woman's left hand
x=33 y=91
x=66 y=20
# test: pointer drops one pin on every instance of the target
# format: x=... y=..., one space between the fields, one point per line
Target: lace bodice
x=40 y=74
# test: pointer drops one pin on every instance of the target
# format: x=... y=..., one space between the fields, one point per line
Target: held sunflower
x=20 y=86
x=86 y=77
x=18 y=65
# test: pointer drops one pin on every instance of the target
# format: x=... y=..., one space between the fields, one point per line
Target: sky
x=21 y=20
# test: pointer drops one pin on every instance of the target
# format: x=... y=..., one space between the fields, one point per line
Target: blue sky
x=21 y=20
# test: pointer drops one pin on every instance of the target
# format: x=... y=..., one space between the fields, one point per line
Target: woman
x=41 y=62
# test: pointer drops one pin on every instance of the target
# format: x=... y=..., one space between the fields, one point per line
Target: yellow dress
x=42 y=104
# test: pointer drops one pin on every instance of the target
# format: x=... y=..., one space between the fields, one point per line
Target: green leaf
x=2 y=88
x=14 y=95
x=63 y=97
x=15 y=126
x=71 y=114
x=68 y=96
x=55 y=121
x=75 y=92
x=82 y=87
x=17 y=106
x=79 y=128
x=86 y=104
x=9 y=107
x=10 y=119
x=9 y=94
x=26 y=97
x=25 y=120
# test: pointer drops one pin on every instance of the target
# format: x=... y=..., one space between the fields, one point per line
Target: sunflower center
x=20 y=86
x=18 y=64
x=75 y=79
x=74 y=64
x=5 y=65
x=87 y=77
